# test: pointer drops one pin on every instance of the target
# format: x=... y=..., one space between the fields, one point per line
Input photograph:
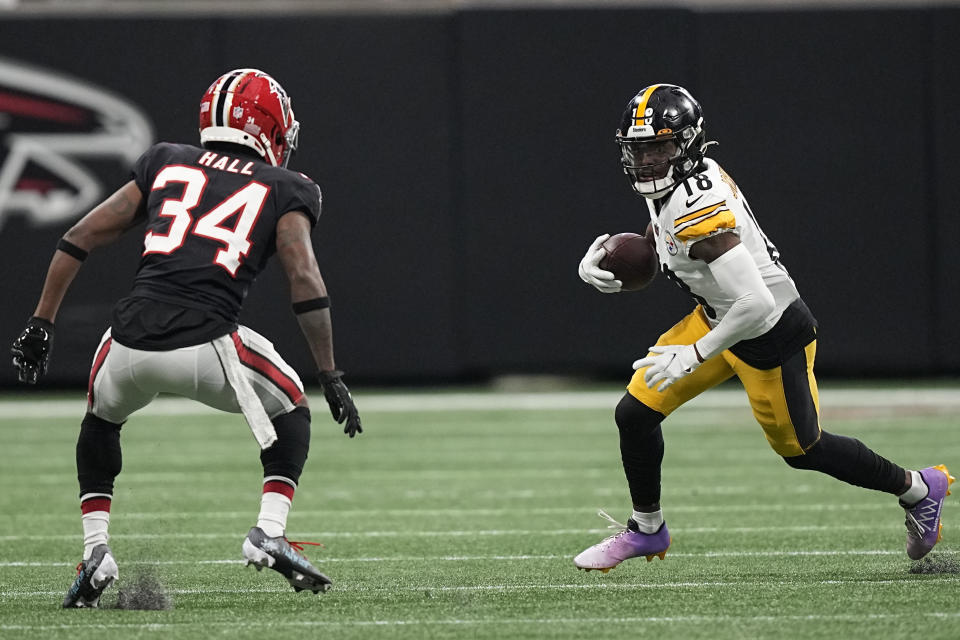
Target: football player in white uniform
x=749 y=322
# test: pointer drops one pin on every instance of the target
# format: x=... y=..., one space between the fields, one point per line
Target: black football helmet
x=661 y=139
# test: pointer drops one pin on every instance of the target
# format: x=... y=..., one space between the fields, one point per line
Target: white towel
x=250 y=405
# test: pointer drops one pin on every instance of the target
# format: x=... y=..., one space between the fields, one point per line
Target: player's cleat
x=923 y=519
x=93 y=576
x=284 y=557
x=629 y=543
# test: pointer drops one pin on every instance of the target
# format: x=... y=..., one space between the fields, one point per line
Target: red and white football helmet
x=248 y=107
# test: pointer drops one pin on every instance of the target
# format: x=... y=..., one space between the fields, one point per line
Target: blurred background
x=467 y=159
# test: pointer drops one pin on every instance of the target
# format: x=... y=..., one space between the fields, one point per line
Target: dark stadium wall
x=942 y=138
x=467 y=160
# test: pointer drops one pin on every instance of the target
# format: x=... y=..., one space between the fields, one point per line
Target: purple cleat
x=629 y=543
x=923 y=518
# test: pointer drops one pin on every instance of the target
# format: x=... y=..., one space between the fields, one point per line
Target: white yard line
x=499 y=558
x=477 y=512
x=597 y=586
x=457 y=533
x=603 y=622
x=944 y=398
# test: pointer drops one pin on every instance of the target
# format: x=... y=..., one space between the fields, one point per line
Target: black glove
x=340 y=401
x=32 y=350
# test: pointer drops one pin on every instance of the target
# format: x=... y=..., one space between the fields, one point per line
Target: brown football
x=632 y=259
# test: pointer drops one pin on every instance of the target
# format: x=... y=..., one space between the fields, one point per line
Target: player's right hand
x=31 y=350
x=590 y=271
x=341 y=402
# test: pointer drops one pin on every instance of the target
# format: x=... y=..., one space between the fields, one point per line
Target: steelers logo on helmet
x=250 y=108
x=661 y=139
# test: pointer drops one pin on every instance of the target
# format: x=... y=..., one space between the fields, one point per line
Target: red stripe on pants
x=267 y=369
x=97 y=364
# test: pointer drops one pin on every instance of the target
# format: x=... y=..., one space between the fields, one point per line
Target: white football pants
x=123 y=380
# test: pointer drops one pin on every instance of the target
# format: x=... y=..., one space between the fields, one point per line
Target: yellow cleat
x=658 y=555
x=950 y=478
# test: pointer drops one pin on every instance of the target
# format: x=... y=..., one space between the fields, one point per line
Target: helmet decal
x=250 y=108
x=225 y=97
x=661 y=139
x=642 y=119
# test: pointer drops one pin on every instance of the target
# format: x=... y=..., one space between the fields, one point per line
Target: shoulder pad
x=729 y=181
x=704 y=221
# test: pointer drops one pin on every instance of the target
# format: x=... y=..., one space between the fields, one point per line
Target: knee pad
x=99 y=459
x=635 y=417
x=288 y=454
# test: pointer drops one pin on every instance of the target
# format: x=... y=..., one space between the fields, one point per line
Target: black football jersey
x=210 y=229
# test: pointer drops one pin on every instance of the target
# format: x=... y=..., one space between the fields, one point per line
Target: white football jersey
x=703 y=205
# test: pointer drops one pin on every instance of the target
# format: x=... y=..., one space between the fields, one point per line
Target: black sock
x=99 y=458
x=850 y=460
x=641 y=449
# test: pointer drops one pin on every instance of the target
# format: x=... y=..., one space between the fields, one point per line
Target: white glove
x=590 y=271
x=672 y=363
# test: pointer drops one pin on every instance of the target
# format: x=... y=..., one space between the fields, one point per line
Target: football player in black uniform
x=214 y=215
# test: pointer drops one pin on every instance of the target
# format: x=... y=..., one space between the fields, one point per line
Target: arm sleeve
x=738 y=275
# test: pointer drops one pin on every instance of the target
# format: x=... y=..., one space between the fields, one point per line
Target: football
x=632 y=259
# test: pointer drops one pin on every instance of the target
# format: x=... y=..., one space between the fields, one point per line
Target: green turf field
x=456 y=516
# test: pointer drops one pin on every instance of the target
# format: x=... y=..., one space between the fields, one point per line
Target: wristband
x=327 y=377
x=41 y=322
x=72 y=250
x=311 y=305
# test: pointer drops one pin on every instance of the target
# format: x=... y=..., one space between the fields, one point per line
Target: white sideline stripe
x=609 y=586
x=459 y=533
x=513 y=558
x=353 y=513
x=605 y=621
x=486 y=401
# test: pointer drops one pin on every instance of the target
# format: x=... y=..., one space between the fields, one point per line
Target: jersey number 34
x=247 y=202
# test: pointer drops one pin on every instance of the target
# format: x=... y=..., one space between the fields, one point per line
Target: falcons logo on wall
x=51 y=129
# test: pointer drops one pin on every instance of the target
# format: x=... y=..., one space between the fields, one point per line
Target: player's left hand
x=340 y=401
x=671 y=363
x=31 y=350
